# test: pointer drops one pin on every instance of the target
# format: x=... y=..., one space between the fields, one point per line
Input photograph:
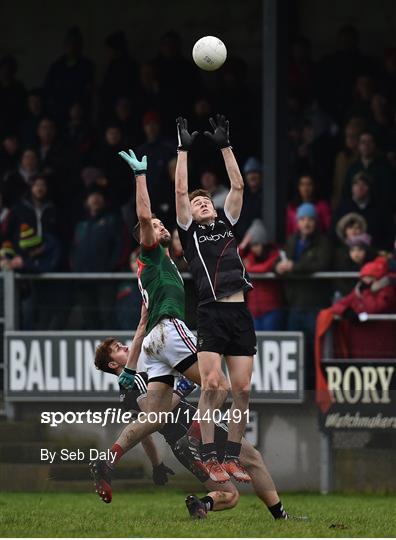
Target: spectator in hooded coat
x=265 y=301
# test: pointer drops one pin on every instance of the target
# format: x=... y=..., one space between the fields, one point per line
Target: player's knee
x=215 y=382
x=241 y=389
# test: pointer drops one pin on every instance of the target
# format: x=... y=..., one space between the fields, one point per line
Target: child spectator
x=265 y=301
x=359 y=253
x=372 y=294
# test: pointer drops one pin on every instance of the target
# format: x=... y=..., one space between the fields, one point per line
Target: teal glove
x=127 y=378
x=138 y=167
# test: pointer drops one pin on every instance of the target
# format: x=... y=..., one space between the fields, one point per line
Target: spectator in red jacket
x=306 y=194
x=265 y=301
x=373 y=294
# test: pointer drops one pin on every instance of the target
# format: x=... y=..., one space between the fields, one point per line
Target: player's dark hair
x=136 y=230
x=103 y=355
x=199 y=193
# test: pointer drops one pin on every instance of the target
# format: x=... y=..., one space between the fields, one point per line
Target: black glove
x=221 y=131
x=350 y=315
x=184 y=138
x=160 y=473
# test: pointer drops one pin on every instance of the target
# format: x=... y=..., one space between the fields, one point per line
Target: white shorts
x=169 y=343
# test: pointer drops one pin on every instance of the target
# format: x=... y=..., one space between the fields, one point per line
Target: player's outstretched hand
x=138 y=167
x=126 y=378
x=221 y=131
x=184 y=138
x=160 y=474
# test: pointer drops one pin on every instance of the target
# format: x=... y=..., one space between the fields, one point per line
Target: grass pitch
x=162 y=513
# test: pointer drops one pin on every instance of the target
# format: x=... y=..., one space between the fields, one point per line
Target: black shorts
x=226 y=328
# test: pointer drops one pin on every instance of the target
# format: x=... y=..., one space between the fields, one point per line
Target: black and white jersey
x=213 y=258
x=171 y=431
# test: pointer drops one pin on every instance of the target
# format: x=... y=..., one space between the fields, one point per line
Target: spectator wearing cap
x=360 y=201
x=252 y=197
x=159 y=152
x=307 y=251
x=306 y=192
x=265 y=301
x=97 y=247
x=377 y=166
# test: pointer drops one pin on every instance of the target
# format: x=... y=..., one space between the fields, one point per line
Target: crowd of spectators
x=67 y=200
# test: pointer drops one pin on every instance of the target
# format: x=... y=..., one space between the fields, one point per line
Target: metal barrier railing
x=185 y=275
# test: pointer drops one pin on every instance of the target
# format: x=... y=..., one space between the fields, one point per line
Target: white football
x=209 y=53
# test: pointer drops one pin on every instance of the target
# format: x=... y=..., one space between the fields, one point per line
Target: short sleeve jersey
x=213 y=258
x=161 y=285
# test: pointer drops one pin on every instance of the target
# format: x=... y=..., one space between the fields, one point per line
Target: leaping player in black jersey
x=225 y=326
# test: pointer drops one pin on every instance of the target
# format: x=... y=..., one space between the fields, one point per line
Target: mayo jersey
x=160 y=284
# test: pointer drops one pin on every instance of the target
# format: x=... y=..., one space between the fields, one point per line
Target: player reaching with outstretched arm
x=225 y=326
x=168 y=348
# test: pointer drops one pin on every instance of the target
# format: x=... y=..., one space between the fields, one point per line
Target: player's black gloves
x=160 y=474
x=185 y=140
x=221 y=131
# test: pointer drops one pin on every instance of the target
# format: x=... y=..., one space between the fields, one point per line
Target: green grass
x=161 y=513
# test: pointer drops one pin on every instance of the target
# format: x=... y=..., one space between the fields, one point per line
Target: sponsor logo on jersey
x=215 y=237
